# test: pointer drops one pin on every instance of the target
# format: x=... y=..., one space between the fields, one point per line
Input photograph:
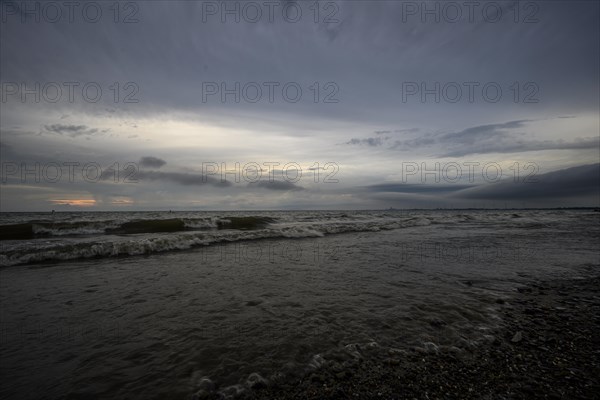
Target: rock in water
x=431 y=347
x=255 y=381
x=517 y=338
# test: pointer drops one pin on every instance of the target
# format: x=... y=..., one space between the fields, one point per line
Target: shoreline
x=548 y=348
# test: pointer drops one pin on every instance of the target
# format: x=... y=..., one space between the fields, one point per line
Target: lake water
x=164 y=305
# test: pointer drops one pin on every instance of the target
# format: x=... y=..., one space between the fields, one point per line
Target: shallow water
x=277 y=300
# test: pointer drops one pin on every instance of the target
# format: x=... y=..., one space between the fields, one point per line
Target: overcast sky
x=343 y=105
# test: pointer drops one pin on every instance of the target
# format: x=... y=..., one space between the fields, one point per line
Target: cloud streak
x=570 y=182
x=481 y=139
x=276 y=185
x=71 y=130
x=152 y=162
x=185 y=179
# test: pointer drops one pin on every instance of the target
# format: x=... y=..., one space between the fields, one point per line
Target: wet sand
x=548 y=347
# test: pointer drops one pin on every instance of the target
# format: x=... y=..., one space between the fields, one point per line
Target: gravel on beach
x=549 y=347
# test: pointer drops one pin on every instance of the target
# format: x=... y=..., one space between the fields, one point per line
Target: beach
x=548 y=348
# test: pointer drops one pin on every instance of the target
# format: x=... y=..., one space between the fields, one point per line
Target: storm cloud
x=571 y=182
x=175 y=87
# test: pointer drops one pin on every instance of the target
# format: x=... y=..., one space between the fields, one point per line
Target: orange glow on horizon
x=122 y=202
x=74 y=202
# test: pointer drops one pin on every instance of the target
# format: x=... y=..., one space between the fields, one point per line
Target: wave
x=167 y=236
x=45 y=229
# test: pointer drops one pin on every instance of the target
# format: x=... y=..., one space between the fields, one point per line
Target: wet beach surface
x=548 y=347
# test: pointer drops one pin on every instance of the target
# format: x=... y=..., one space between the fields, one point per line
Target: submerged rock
x=517 y=337
x=431 y=347
x=255 y=381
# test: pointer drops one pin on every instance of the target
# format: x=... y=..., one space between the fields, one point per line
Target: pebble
x=517 y=337
x=431 y=347
x=256 y=381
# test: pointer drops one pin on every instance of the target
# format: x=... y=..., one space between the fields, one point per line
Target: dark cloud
x=349 y=53
x=520 y=146
x=486 y=139
x=409 y=144
x=408 y=130
x=500 y=138
x=175 y=177
x=71 y=130
x=416 y=188
x=276 y=185
x=489 y=131
x=372 y=141
x=489 y=138
x=571 y=182
x=380 y=140
x=153 y=162
x=575 y=186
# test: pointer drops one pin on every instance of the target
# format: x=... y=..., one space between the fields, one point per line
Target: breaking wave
x=138 y=237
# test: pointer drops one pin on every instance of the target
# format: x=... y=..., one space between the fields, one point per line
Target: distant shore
x=549 y=348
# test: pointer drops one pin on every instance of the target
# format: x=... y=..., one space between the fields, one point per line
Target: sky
x=242 y=105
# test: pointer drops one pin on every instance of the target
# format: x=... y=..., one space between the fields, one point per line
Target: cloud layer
x=342 y=98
